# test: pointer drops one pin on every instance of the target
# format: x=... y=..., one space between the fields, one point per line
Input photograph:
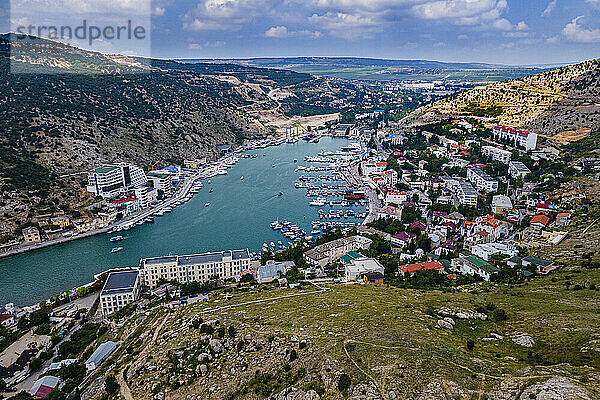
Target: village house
x=473 y=265
x=331 y=252
x=563 y=219
x=539 y=222
x=31 y=234
x=423 y=266
x=402 y=239
x=501 y=204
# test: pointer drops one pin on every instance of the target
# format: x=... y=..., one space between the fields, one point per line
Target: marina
x=239 y=216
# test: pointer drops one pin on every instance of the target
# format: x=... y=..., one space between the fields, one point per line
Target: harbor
x=239 y=215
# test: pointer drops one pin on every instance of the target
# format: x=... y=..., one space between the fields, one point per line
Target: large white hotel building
x=196 y=267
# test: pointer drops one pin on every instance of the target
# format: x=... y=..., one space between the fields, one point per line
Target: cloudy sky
x=495 y=31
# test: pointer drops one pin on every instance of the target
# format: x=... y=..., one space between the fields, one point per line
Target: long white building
x=496 y=154
x=481 y=180
x=196 y=267
x=111 y=179
x=518 y=137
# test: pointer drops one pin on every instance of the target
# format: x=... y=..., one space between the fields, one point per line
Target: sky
x=511 y=32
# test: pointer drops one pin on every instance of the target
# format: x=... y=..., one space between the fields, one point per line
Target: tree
x=231 y=331
x=470 y=344
x=344 y=383
x=111 y=385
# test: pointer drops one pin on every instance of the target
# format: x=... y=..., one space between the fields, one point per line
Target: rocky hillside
x=94 y=109
x=566 y=98
x=365 y=342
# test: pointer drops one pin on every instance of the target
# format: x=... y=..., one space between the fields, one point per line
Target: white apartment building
x=391 y=177
x=517 y=169
x=518 y=137
x=496 y=154
x=374 y=168
x=487 y=250
x=120 y=289
x=466 y=193
x=481 y=180
x=395 y=197
x=146 y=195
x=196 y=267
x=161 y=181
x=111 y=179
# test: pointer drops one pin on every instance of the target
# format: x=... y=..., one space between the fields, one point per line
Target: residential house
x=120 y=289
x=389 y=212
x=473 y=265
x=374 y=278
x=62 y=221
x=541 y=265
x=331 y=252
x=539 y=222
x=395 y=197
x=31 y=234
x=563 y=218
x=402 y=239
x=501 y=204
x=423 y=266
x=273 y=270
x=487 y=250
x=359 y=266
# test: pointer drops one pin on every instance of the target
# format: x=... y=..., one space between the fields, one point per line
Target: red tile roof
x=430 y=265
x=540 y=219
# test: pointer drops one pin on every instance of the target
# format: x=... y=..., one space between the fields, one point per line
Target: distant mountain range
x=384 y=69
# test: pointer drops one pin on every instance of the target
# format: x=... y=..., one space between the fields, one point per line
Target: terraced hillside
x=563 y=99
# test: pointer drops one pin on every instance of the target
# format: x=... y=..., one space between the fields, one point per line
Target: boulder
x=524 y=340
x=216 y=345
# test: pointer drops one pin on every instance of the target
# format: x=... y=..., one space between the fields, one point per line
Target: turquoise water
x=238 y=217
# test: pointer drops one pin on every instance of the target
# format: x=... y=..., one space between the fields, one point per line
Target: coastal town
x=449 y=205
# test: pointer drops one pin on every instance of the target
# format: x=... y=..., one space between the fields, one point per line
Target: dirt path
x=124 y=387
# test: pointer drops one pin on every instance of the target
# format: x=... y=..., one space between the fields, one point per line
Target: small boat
x=116 y=249
x=295 y=160
x=116 y=238
x=273 y=165
x=280 y=194
x=242 y=178
x=209 y=181
x=206 y=204
x=210 y=191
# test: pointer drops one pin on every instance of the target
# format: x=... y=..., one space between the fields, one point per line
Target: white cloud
x=215 y=44
x=347 y=26
x=461 y=12
x=549 y=8
x=277 y=32
x=575 y=32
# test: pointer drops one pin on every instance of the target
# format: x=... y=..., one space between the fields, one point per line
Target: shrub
x=344 y=383
x=470 y=344
x=231 y=331
x=293 y=355
x=111 y=385
x=499 y=315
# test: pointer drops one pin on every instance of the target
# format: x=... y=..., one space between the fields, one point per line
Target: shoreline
x=184 y=190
